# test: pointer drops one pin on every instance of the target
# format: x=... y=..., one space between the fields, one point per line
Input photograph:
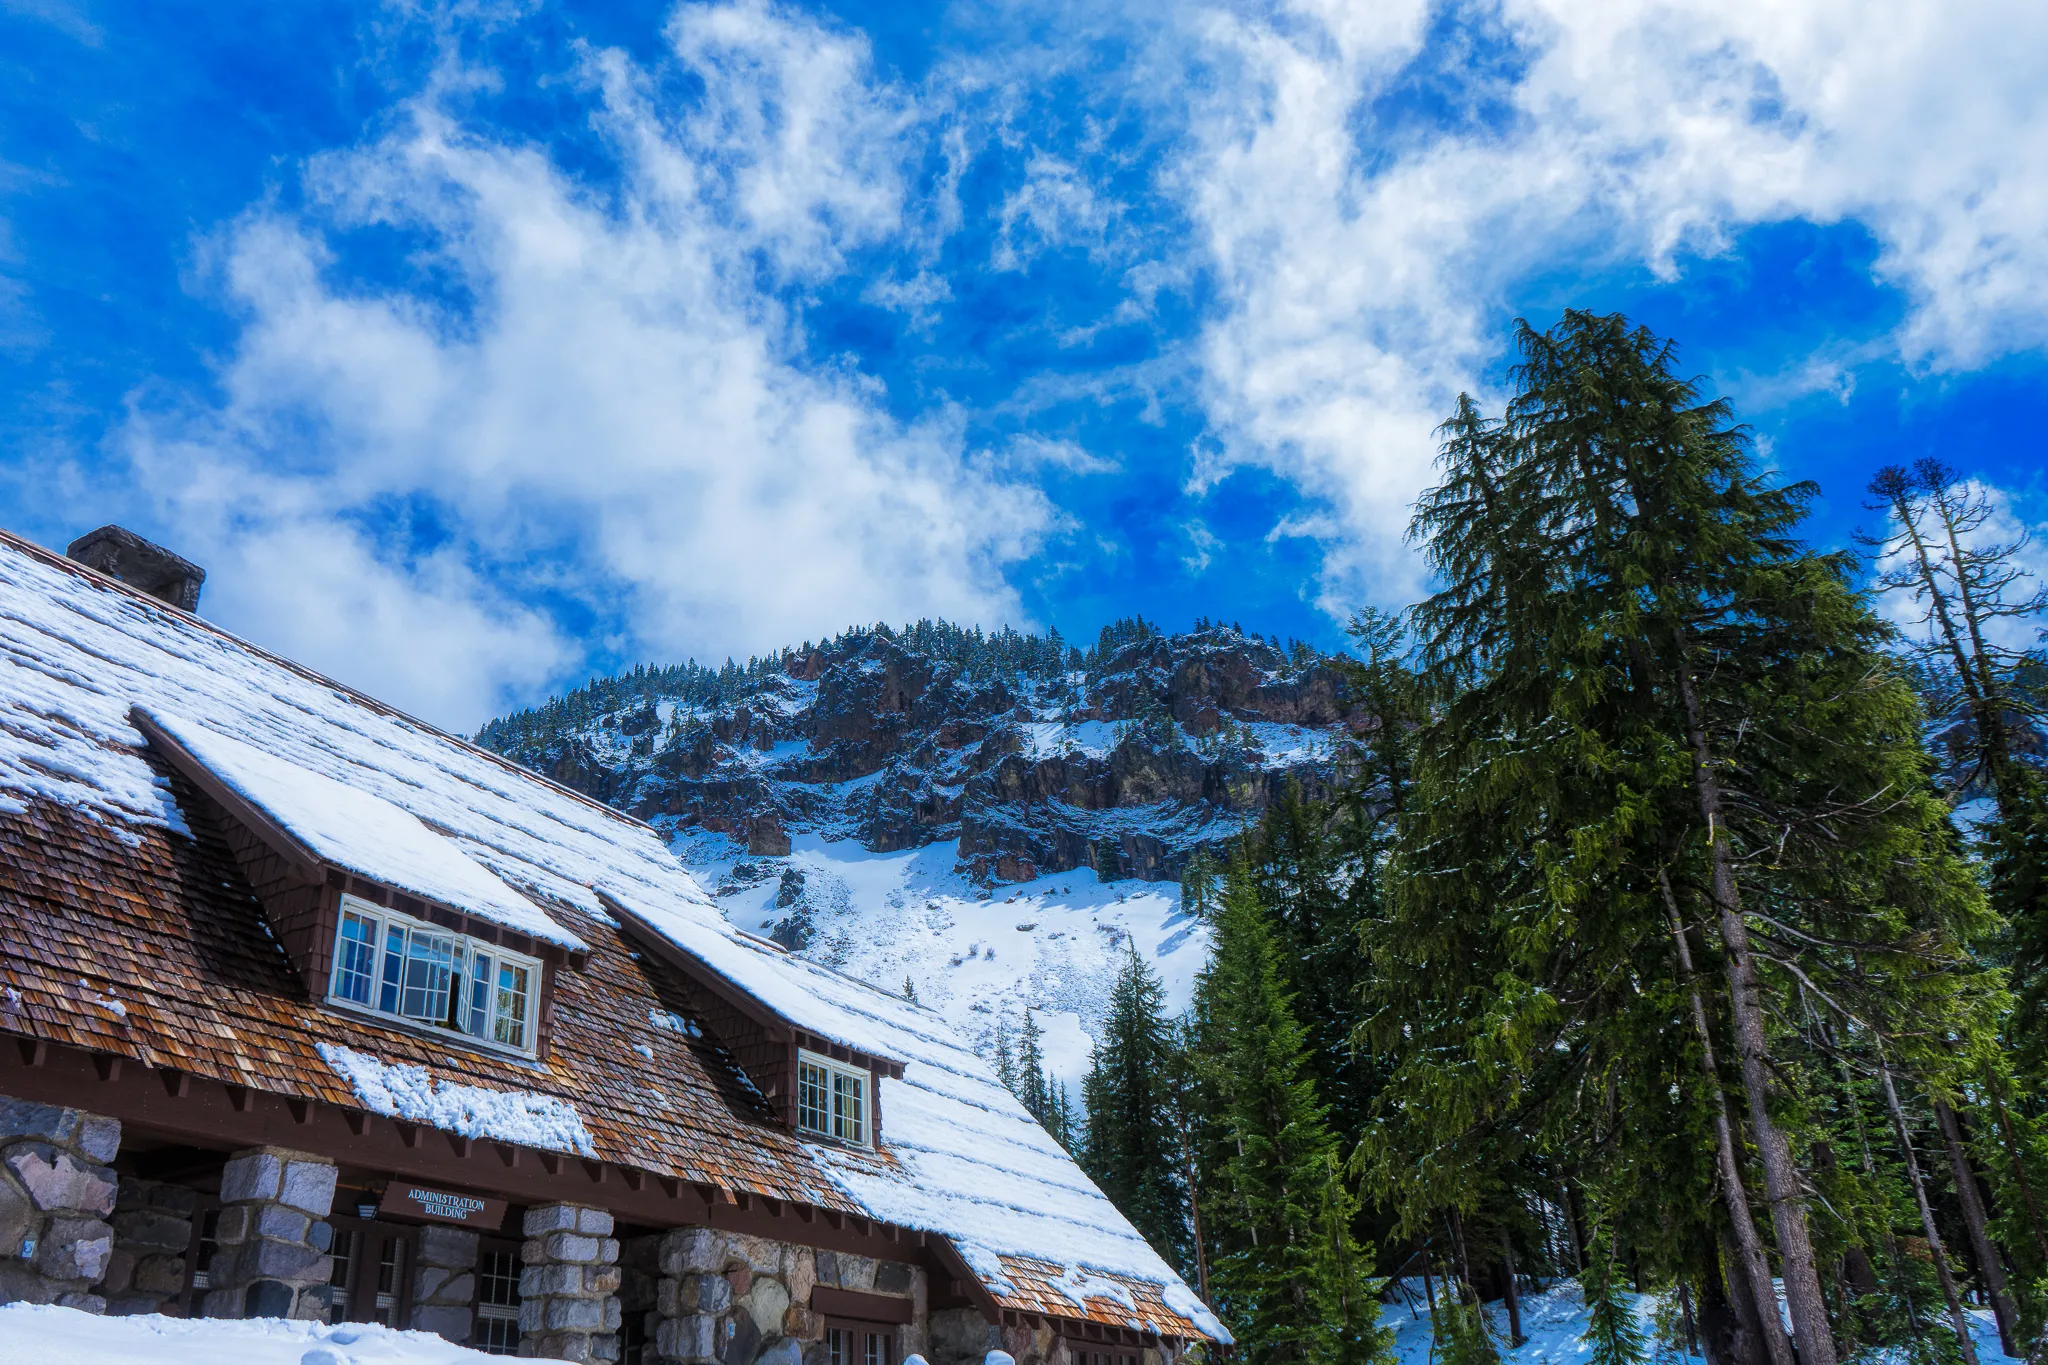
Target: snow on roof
x=361 y=833
x=968 y=1162
x=410 y=1092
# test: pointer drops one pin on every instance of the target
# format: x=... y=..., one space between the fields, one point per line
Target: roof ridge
x=50 y=557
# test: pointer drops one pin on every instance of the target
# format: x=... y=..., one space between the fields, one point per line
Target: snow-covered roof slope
x=968 y=1160
x=358 y=832
x=77 y=652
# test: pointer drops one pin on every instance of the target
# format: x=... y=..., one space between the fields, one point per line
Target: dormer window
x=831 y=1099
x=394 y=965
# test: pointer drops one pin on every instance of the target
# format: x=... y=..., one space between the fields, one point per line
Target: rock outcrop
x=1124 y=762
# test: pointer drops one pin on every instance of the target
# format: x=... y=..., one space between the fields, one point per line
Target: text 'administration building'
x=307 y=1009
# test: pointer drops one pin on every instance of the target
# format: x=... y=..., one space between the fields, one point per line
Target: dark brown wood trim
x=851 y=1303
x=193 y=1109
x=956 y=1269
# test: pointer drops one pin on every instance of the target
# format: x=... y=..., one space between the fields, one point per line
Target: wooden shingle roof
x=128 y=931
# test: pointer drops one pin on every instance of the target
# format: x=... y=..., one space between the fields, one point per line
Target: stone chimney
x=120 y=553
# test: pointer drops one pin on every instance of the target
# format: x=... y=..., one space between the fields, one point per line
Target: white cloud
x=620 y=419
x=1055 y=206
x=1363 y=269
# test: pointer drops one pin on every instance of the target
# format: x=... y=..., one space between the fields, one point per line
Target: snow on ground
x=65 y=1336
x=1554 y=1320
x=1053 y=944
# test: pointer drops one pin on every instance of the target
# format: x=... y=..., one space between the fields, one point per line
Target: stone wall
x=444 y=1282
x=728 y=1299
x=569 y=1284
x=273 y=1236
x=56 y=1190
x=152 y=1232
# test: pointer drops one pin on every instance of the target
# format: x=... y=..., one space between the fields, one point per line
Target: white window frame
x=833 y=1123
x=428 y=960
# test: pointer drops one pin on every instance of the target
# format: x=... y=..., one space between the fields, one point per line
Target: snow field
x=66 y=1336
x=1054 y=944
x=1554 y=1320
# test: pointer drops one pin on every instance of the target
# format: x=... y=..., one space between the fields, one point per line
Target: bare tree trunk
x=1756 y=1267
x=1576 y=1226
x=1514 y=1292
x=1466 y=1289
x=1990 y=715
x=1815 y=1343
x=1187 y=1157
x=1692 y=1336
x=1942 y=1272
x=1754 y=1332
x=1990 y=1262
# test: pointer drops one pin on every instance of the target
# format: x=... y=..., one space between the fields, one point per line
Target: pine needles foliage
x=1286 y=1272
x=1130 y=1152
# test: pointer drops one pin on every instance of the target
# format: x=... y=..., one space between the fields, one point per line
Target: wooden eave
x=745 y=1002
x=312 y=870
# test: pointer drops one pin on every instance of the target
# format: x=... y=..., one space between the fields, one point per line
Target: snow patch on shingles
x=106 y=1002
x=1079 y=1287
x=401 y=1091
x=364 y=834
x=673 y=1023
x=1183 y=1300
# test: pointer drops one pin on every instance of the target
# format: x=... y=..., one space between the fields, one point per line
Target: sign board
x=405 y=1199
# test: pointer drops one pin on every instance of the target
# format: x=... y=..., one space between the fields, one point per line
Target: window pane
x=479 y=995
x=509 y=1027
x=848 y=1110
x=842 y=1346
x=810 y=1098
x=355 y=958
x=394 y=968
x=878 y=1349
x=429 y=966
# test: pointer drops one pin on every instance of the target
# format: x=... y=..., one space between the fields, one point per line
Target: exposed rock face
x=1126 y=767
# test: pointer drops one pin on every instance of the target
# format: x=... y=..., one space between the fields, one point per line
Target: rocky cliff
x=1029 y=757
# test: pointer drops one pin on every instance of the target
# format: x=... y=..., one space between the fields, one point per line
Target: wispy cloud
x=1364 y=258
x=617 y=429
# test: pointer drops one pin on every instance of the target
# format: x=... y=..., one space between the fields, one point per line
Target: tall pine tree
x=1674 y=740
x=1284 y=1267
x=1131 y=1152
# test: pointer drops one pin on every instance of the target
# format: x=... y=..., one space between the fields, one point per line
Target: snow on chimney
x=120 y=553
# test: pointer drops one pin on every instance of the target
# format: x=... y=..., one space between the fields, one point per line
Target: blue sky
x=476 y=347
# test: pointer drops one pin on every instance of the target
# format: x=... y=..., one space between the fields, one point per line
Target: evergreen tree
x=1285 y=1269
x=1668 y=719
x=1006 y=1058
x=1131 y=1153
x=1030 y=1086
x=1612 y=1329
x=1198 y=884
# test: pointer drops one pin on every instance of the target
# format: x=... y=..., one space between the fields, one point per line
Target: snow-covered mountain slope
x=998 y=819
x=976 y=954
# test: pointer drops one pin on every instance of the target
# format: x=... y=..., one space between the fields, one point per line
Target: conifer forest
x=1681 y=928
